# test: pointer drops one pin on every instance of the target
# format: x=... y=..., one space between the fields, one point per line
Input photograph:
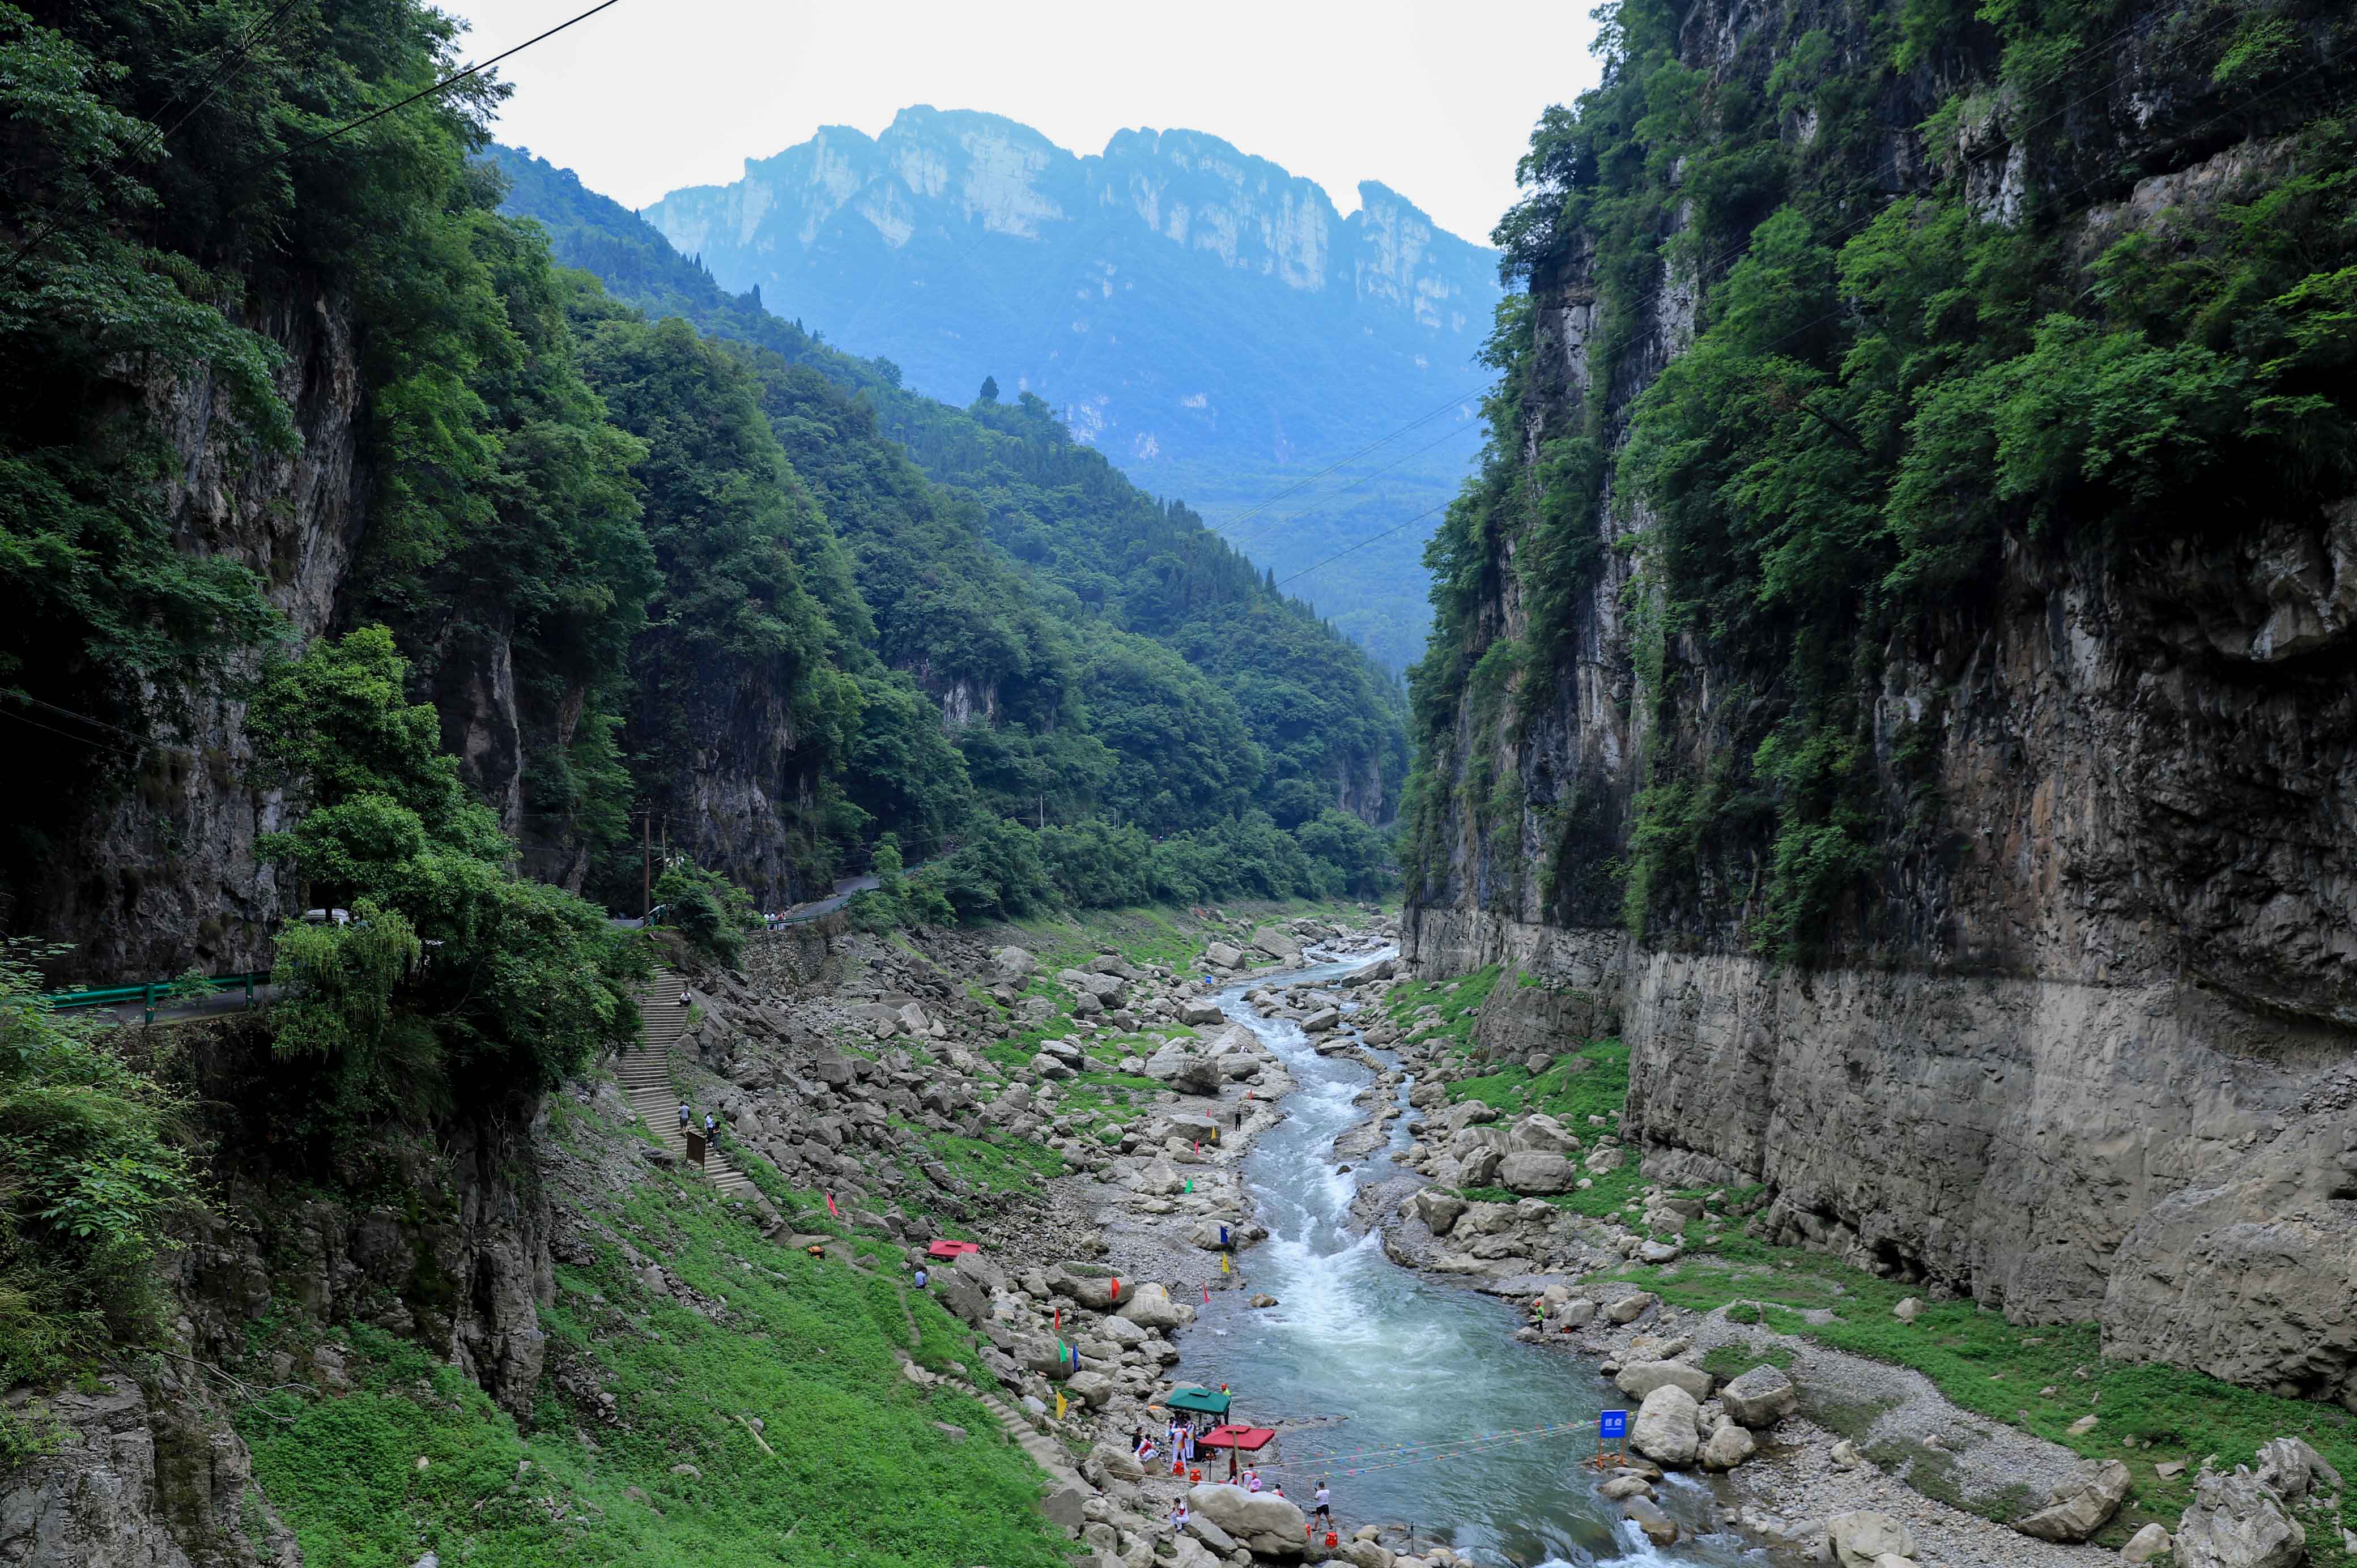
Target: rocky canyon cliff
x=1894 y=668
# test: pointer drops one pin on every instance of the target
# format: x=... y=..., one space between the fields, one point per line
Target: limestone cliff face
x=2085 y=1051
x=158 y=871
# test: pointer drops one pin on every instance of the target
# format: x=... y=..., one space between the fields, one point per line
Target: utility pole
x=646 y=864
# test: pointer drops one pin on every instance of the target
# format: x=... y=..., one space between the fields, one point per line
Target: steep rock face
x=442 y=1239
x=2083 y=1051
x=142 y=1475
x=158 y=869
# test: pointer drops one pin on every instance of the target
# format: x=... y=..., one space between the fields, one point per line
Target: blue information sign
x=1613 y=1423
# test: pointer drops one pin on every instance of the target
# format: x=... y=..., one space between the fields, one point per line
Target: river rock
x=1159 y=1178
x=1277 y=943
x=1859 y=1537
x=1729 y=1446
x=2080 y=1505
x=1184 y=1071
x=1116 y=1461
x=1218 y=1540
x=1086 y=1283
x=1319 y=1022
x=1224 y=955
x=1761 y=1397
x=2146 y=1544
x=1534 y=1172
x=1480 y=1168
x=1620 y=1487
x=1438 y=1210
x=1631 y=1307
x=1150 y=1306
x=1197 y=1010
x=1665 y=1427
x=2237 y=1522
x=1638 y=1378
x=1262 y=1522
x=1091 y=1389
x=1659 y=1528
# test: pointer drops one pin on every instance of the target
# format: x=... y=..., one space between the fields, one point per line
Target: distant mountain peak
x=1206 y=317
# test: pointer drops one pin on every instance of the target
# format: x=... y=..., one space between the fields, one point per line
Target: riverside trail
x=1381 y=1357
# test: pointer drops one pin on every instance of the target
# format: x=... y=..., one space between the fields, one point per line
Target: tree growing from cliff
x=454 y=972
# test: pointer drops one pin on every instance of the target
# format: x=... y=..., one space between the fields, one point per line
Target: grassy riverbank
x=2041 y=1379
x=853 y=1464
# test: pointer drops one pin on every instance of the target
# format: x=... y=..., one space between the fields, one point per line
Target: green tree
x=456 y=975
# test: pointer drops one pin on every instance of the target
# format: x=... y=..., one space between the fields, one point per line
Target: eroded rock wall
x=2082 y=1046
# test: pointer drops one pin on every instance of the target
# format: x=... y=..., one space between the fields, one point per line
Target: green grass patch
x=1999 y=1371
x=1729 y=1361
x=1590 y=1081
x=858 y=1473
x=996 y=1166
x=1455 y=1001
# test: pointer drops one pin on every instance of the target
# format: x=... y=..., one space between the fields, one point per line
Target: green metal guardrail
x=149 y=995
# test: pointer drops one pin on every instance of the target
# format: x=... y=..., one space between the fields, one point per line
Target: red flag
x=831 y=1207
x=1207 y=1295
x=1116 y=1288
x=1060 y=1320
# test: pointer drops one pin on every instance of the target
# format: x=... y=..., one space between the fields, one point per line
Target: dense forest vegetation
x=1900 y=361
x=687 y=556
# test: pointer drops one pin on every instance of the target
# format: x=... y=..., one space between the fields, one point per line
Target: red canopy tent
x=1235 y=1439
x=951 y=1252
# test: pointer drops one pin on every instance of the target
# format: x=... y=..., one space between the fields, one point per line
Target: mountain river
x=1381 y=1357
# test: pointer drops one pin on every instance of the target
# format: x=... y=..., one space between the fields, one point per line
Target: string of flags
x=1397 y=1454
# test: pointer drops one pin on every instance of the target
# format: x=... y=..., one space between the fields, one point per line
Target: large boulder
x=1263 y=1523
x=1531 y=1172
x=1480 y=1168
x=1277 y=944
x=1638 y=1378
x=1186 y=1070
x=1010 y=964
x=1858 y=1538
x=1729 y=1446
x=1322 y=1020
x=2289 y=1467
x=1664 y=1428
x=1091 y=1389
x=1086 y=1283
x=1200 y=1010
x=2238 y=1521
x=2080 y=1505
x=1222 y=955
x=1438 y=1210
x=1149 y=1306
x=1541 y=1133
x=1116 y=1461
x=1761 y=1397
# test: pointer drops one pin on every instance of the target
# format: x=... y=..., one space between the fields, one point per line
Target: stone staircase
x=644 y=1072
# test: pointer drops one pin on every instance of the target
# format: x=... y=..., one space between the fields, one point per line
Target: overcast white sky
x=1434 y=100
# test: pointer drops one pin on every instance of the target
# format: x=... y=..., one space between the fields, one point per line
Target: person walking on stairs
x=684 y=1120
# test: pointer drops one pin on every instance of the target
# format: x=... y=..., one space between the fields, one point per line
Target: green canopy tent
x=1200 y=1402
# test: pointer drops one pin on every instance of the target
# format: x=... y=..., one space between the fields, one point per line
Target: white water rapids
x=1385 y=1357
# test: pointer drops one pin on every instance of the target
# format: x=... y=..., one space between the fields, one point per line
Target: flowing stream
x=1382 y=1358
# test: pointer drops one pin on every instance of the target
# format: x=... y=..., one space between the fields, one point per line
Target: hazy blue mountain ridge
x=1209 y=321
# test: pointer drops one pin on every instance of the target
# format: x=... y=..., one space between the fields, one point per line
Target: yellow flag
x=1060 y=1407
x=1223 y=1263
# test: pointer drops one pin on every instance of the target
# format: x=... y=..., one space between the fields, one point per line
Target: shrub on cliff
x=90 y=1175
x=453 y=967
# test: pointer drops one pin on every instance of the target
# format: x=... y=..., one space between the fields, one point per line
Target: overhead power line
x=447 y=82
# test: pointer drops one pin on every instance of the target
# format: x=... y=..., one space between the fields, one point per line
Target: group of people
x=687 y=1121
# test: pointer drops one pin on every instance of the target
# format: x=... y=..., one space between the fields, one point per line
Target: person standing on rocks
x=1324 y=1500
